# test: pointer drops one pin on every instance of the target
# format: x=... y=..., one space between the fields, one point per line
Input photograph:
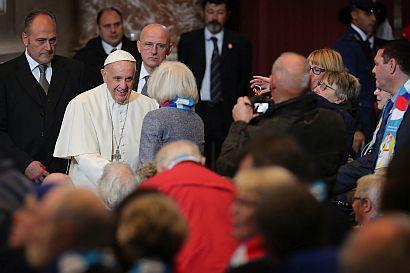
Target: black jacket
x=320 y=132
x=29 y=120
x=93 y=56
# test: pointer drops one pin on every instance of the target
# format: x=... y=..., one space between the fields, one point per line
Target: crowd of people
x=119 y=160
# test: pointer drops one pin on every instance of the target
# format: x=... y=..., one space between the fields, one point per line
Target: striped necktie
x=216 y=85
x=43 y=80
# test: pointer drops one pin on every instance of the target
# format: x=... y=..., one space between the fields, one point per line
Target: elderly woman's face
x=326 y=90
x=244 y=216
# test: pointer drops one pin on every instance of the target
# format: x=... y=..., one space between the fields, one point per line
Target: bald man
x=320 y=132
x=204 y=197
x=70 y=224
x=154 y=45
x=381 y=247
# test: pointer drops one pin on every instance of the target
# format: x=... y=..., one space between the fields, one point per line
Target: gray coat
x=165 y=125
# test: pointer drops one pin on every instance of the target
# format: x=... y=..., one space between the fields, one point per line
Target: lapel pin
x=230 y=46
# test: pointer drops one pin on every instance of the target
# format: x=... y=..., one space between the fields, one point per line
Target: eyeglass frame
x=159 y=47
x=315 y=69
x=321 y=83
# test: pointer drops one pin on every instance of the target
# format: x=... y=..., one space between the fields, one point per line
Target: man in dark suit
x=358 y=46
x=111 y=37
x=392 y=72
x=154 y=44
x=35 y=89
x=221 y=62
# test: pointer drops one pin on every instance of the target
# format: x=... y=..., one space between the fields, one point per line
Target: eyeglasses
x=317 y=70
x=159 y=47
x=323 y=86
x=358 y=198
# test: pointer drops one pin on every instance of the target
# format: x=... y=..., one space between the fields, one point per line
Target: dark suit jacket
x=137 y=75
x=236 y=63
x=93 y=56
x=359 y=61
x=29 y=120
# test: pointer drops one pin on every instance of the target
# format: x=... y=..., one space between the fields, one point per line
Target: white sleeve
x=91 y=165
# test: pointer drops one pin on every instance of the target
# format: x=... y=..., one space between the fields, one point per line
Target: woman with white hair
x=173 y=86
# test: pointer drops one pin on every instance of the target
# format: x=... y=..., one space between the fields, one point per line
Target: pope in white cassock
x=103 y=124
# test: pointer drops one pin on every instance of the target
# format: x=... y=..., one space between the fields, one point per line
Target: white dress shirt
x=363 y=35
x=141 y=81
x=209 y=48
x=35 y=70
x=108 y=48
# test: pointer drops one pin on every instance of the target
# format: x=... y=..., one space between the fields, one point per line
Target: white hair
x=291 y=71
x=117 y=181
x=370 y=186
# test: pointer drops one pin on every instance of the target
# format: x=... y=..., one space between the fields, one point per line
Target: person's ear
x=24 y=38
x=367 y=205
x=392 y=65
x=103 y=74
x=171 y=45
x=203 y=160
x=139 y=46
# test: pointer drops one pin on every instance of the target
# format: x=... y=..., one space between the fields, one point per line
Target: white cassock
x=94 y=126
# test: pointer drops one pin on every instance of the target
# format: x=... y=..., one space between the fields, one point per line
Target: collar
x=107 y=47
x=208 y=35
x=360 y=32
x=143 y=72
x=182 y=158
x=33 y=63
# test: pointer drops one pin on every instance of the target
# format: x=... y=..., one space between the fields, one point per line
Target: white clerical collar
x=108 y=48
x=209 y=35
x=33 y=63
x=361 y=32
x=143 y=72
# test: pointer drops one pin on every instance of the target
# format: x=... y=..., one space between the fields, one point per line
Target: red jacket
x=205 y=199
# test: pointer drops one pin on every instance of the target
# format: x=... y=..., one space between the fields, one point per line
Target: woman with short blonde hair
x=321 y=60
x=173 y=86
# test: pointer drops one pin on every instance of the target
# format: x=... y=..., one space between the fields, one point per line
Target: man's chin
x=214 y=28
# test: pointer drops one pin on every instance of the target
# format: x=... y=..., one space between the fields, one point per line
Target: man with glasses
x=366 y=199
x=110 y=38
x=154 y=45
x=220 y=60
x=358 y=47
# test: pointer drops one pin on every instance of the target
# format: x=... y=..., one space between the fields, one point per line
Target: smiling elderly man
x=103 y=124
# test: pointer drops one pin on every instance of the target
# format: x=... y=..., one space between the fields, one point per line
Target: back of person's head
x=283 y=151
x=327 y=58
x=348 y=86
x=396 y=190
x=68 y=219
x=150 y=226
x=381 y=247
x=82 y=211
x=290 y=219
x=171 y=80
x=256 y=181
x=117 y=181
x=400 y=51
x=290 y=76
x=173 y=153
x=58 y=178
